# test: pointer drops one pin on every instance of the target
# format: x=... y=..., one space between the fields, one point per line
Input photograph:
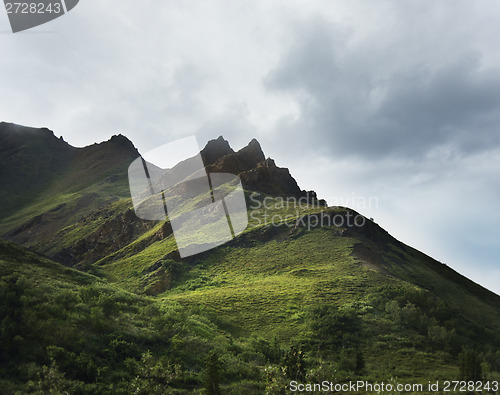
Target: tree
x=153 y=377
x=360 y=363
x=12 y=316
x=211 y=377
x=50 y=381
x=469 y=364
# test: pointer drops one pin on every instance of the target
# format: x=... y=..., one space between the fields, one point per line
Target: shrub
x=294 y=366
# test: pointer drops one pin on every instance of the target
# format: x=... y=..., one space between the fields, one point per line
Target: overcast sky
x=390 y=100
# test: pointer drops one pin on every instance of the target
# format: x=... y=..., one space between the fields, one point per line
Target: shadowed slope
x=48 y=184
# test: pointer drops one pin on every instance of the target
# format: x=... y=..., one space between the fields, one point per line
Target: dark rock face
x=214 y=150
x=115 y=233
x=229 y=161
x=268 y=178
x=251 y=155
x=255 y=171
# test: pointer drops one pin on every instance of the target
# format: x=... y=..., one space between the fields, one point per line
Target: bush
x=271 y=350
x=409 y=317
x=276 y=381
x=294 y=366
x=335 y=328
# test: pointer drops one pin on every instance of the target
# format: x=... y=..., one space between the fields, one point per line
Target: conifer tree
x=211 y=378
x=469 y=364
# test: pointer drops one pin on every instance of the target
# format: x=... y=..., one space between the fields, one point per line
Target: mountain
x=47 y=184
x=306 y=292
x=85 y=190
x=31 y=160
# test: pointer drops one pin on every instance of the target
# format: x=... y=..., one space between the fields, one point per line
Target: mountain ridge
x=97 y=174
x=44 y=166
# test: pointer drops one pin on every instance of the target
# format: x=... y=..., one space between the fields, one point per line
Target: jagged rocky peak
x=252 y=153
x=119 y=138
x=122 y=141
x=215 y=150
x=219 y=157
x=116 y=139
x=118 y=144
x=255 y=171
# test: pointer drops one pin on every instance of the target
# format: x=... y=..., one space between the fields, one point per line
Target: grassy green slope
x=334 y=292
x=64 y=331
x=271 y=281
x=273 y=288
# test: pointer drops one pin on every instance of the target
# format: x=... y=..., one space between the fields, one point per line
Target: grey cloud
x=458 y=105
x=357 y=108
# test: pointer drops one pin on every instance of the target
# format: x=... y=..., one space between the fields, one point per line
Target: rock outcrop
x=255 y=171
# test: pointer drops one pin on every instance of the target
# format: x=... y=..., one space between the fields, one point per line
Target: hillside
x=327 y=281
x=64 y=331
x=47 y=184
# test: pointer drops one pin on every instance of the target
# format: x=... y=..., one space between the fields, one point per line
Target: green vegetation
x=211 y=377
x=63 y=330
x=278 y=302
x=470 y=365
